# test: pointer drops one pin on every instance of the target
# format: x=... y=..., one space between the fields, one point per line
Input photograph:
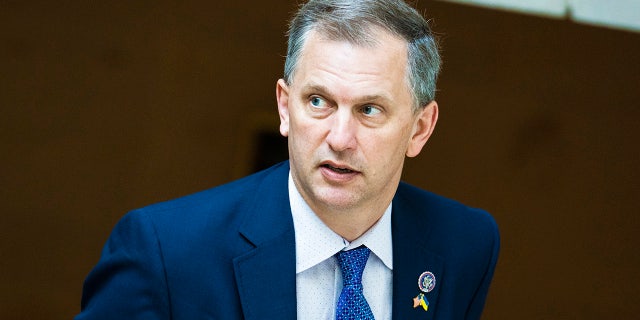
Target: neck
x=350 y=224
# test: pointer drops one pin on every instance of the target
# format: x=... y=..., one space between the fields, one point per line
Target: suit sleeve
x=129 y=281
x=478 y=301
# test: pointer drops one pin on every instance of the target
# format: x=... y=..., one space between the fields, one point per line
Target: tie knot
x=352 y=264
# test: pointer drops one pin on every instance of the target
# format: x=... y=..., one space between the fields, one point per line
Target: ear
x=424 y=124
x=282 y=96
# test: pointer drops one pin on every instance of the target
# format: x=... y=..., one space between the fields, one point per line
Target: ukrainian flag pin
x=422 y=301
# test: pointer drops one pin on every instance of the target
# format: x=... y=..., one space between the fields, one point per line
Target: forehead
x=379 y=43
x=378 y=67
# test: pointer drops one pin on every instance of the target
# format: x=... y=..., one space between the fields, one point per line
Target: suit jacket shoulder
x=201 y=256
x=457 y=243
x=449 y=221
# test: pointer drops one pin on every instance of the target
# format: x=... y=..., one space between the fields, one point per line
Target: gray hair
x=352 y=20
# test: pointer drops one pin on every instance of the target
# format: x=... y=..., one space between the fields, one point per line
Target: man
x=332 y=233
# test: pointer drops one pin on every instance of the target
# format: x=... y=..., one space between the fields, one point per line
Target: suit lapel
x=266 y=275
x=410 y=259
x=266 y=279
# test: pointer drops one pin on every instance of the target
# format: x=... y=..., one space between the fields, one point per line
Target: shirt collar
x=315 y=242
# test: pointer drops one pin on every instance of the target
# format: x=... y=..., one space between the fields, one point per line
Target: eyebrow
x=307 y=89
x=315 y=88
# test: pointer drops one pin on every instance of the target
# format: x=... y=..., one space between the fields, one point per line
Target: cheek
x=389 y=141
x=308 y=132
x=302 y=138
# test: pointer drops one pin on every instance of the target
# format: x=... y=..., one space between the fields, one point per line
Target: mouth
x=338 y=169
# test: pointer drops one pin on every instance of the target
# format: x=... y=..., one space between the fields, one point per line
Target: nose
x=342 y=132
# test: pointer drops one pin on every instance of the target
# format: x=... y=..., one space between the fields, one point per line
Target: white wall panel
x=619 y=14
x=622 y=14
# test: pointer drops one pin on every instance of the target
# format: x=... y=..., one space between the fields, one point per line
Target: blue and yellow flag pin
x=421 y=300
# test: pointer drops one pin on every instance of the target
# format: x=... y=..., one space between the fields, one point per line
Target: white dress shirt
x=318 y=276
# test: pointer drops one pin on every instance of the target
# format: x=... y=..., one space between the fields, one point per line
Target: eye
x=317 y=102
x=370 y=110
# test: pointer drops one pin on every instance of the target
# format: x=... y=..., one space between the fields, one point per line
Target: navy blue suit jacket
x=229 y=253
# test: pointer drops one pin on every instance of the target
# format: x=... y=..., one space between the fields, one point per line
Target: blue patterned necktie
x=352 y=305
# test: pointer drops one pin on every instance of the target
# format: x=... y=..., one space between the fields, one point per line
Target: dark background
x=106 y=107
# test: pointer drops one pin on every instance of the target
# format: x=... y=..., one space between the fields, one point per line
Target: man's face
x=349 y=120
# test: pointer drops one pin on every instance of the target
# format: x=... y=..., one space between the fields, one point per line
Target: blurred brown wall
x=109 y=107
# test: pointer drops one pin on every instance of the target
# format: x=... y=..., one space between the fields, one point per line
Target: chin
x=337 y=200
